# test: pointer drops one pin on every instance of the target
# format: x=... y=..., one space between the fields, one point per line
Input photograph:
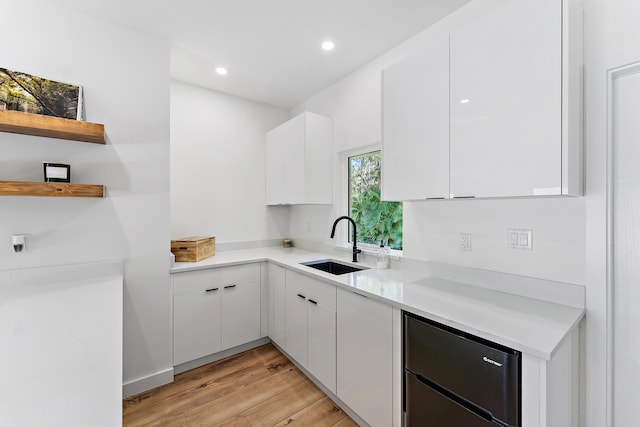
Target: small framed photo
x=36 y=95
x=56 y=172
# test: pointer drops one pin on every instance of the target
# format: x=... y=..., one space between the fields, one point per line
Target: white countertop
x=61 y=332
x=529 y=325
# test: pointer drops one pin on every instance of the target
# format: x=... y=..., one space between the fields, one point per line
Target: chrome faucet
x=356 y=251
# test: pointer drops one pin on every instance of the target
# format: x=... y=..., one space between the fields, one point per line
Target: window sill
x=371 y=250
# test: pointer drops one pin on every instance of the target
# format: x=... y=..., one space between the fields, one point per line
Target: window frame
x=342 y=238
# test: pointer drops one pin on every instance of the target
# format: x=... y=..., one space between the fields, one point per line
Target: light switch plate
x=520 y=238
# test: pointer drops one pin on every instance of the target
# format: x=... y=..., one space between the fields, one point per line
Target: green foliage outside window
x=376 y=220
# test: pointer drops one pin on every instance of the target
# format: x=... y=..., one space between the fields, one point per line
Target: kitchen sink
x=333 y=267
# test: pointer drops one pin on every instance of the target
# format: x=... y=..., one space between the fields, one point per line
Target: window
x=376 y=221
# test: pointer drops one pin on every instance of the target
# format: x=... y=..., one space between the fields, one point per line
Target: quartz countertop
x=529 y=325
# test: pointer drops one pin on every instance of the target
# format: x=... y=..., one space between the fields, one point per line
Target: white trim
x=612 y=76
x=192 y=364
x=149 y=382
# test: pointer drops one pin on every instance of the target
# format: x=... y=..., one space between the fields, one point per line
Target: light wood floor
x=259 y=387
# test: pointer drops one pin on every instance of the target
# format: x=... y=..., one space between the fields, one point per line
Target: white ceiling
x=271 y=47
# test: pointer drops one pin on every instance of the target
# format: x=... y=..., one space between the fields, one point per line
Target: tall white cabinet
x=299 y=161
x=415 y=132
x=365 y=357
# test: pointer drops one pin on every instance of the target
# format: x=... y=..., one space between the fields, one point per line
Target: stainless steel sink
x=333 y=267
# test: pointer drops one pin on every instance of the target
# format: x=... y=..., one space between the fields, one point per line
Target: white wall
x=611 y=40
x=218 y=167
x=126 y=80
x=431 y=229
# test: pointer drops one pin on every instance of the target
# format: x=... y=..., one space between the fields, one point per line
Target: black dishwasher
x=456 y=379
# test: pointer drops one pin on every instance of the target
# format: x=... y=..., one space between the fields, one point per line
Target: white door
x=196 y=325
x=277 y=298
x=625 y=215
x=365 y=357
x=321 y=354
x=240 y=314
x=415 y=130
x=506 y=105
x=296 y=318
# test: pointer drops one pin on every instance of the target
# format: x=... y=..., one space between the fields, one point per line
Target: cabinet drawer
x=199 y=280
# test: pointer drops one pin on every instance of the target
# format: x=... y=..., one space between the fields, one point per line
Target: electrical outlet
x=465 y=242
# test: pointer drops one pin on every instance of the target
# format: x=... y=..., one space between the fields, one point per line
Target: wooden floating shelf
x=50 y=189
x=52 y=127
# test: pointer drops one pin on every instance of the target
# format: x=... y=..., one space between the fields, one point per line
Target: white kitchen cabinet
x=240 y=314
x=311 y=326
x=277 y=297
x=296 y=320
x=365 y=357
x=215 y=309
x=511 y=133
x=415 y=141
x=299 y=161
x=196 y=325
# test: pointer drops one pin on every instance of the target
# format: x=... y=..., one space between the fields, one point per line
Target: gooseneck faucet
x=356 y=251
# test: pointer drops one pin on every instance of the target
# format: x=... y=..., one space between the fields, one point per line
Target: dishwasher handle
x=470 y=406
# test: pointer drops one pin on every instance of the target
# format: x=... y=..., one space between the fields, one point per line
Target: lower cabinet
x=365 y=357
x=311 y=326
x=214 y=310
x=196 y=325
x=240 y=314
x=276 y=302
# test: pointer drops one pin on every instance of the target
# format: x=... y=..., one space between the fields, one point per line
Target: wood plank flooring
x=259 y=387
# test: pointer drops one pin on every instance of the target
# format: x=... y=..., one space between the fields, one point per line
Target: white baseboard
x=147 y=383
x=187 y=366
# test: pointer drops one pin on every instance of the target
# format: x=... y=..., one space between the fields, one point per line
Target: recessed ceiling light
x=328 y=45
x=464 y=101
x=222 y=71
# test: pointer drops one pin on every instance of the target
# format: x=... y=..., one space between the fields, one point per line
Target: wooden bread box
x=193 y=249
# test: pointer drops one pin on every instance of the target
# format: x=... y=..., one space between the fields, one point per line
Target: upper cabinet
x=513 y=108
x=507 y=103
x=415 y=162
x=299 y=166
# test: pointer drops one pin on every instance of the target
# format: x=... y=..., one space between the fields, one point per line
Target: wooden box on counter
x=193 y=249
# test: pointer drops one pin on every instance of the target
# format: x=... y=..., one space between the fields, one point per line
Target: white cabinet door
x=196 y=325
x=274 y=166
x=208 y=318
x=277 y=298
x=299 y=161
x=318 y=157
x=321 y=355
x=506 y=102
x=240 y=314
x=364 y=357
x=294 y=159
x=296 y=325
x=311 y=326
x=415 y=141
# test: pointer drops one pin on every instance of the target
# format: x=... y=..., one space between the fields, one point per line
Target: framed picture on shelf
x=36 y=95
